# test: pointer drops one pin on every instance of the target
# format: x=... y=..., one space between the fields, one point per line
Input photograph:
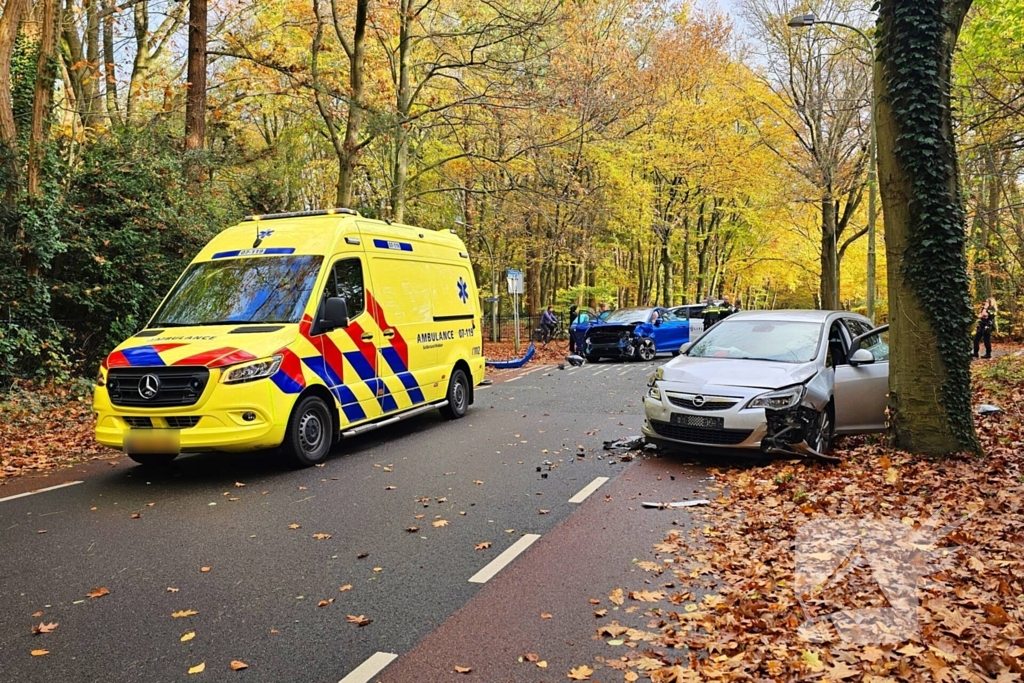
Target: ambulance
x=293 y=330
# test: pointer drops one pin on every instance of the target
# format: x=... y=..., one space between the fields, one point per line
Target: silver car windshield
x=780 y=341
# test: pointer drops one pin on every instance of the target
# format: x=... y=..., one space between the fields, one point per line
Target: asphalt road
x=146 y=536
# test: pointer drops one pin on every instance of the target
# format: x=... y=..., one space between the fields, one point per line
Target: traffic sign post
x=515 y=288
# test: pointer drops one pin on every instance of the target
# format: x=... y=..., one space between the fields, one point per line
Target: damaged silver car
x=773 y=381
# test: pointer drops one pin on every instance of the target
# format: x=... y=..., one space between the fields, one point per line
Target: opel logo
x=698 y=401
x=149 y=385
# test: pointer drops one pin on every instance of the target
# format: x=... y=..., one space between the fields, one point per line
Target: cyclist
x=548 y=323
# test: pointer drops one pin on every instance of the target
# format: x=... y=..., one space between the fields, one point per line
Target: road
x=147 y=536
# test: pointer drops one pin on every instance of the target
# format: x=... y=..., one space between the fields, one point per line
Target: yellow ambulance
x=294 y=330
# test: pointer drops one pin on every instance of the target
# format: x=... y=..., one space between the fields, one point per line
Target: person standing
x=727 y=308
x=983 y=334
x=572 y=321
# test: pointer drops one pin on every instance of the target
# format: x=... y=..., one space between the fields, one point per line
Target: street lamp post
x=494 y=282
x=805 y=21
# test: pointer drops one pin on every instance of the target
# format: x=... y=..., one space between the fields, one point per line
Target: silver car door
x=862 y=390
x=875 y=390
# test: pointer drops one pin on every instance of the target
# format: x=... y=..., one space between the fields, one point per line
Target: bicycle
x=544 y=335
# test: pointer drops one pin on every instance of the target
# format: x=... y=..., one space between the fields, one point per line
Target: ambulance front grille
x=175 y=385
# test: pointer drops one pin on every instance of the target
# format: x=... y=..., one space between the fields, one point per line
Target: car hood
x=612 y=328
x=210 y=345
x=730 y=372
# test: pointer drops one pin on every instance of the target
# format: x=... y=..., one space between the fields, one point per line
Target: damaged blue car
x=636 y=334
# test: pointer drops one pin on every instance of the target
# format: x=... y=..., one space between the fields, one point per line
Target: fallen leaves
x=462 y=669
x=172 y=589
x=361 y=620
x=437 y=523
x=40 y=653
x=188 y=636
x=617 y=597
x=238 y=665
x=321 y=537
x=580 y=673
x=647 y=596
x=482 y=546
x=294 y=526
x=346 y=587
x=181 y=614
x=43 y=628
x=198 y=668
x=324 y=603
x=205 y=570
x=98 y=592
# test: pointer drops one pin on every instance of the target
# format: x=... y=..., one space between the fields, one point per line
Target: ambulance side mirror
x=335 y=314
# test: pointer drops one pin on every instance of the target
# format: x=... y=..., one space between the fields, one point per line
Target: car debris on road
x=680 y=504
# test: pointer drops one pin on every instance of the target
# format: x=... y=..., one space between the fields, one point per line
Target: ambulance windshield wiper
x=199 y=324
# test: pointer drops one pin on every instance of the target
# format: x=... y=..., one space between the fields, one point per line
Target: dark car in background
x=636 y=334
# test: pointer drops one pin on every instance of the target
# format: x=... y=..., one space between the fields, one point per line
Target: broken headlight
x=782 y=399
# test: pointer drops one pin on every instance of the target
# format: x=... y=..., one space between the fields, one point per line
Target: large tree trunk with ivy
x=925 y=237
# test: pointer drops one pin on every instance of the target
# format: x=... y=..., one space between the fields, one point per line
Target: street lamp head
x=803 y=20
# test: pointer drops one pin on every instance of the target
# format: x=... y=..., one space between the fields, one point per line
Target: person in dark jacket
x=984 y=334
x=572 y=320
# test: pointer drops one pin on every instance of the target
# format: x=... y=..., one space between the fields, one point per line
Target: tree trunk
x=400 y=169
x=140 y=67
x=109 y=66
x=195 y=103
x=829 y=291
x=9 y=23
x=666 y=265
x=42 y=95
x=357 y=56
x=929 y=296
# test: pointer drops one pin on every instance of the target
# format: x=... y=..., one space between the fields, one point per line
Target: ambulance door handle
x=389 y=333
x=367 y=337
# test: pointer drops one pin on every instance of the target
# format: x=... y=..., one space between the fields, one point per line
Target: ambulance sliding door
x=350 y=354
x=407 y=344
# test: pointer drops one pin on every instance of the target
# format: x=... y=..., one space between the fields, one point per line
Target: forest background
x=631 y=151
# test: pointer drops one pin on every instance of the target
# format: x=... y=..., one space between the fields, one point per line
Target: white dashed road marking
x=32 y=493
x=503 y=560
x=588 y=489
x=370 y=668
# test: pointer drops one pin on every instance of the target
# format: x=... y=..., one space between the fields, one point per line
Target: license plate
x=148 y=441
x=704 y=421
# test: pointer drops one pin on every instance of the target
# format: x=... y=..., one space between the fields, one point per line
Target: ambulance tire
x=458 y=396
x=153 y=459
x=310 y=433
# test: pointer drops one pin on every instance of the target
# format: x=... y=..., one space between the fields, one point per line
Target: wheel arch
x=461 y=364
x=324 y=394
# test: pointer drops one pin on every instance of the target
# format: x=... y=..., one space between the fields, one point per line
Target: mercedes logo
x=149 y=385
x=698 y=401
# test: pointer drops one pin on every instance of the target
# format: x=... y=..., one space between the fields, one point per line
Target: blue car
x=584 y=320
x=636 y=333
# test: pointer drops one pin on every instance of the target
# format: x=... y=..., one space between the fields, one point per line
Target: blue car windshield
x=268 y=289
x=625 y=316
x=784 y=341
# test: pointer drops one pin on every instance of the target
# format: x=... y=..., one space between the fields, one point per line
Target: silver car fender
x=820 y=389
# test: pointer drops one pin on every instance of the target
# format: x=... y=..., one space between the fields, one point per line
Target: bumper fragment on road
x=32 y=493
x=503 y=560
x=370 y=668
x=588 y=489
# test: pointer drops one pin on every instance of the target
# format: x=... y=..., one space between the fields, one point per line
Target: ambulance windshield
x=267 y=289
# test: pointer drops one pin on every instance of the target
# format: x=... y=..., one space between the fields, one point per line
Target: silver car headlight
x=252 y=371
x=778 y=400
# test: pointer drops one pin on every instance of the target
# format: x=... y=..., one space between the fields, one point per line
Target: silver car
x=774 y=381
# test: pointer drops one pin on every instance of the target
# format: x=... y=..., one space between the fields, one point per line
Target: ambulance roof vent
x=301 y=214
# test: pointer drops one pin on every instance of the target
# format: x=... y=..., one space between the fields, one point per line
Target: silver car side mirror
x=861 y=357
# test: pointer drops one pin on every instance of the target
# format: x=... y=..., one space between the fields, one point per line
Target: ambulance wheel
x=458 y=396
x=153 y=459
x=310 y=432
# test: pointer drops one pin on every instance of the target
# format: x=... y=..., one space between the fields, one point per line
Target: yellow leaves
x=188 y=636
x=184 y=613
x=617 y=597
x=361 y=620
x=812 y=660
x=198 y=668
x=205 y=570
x=324 y=603
x=649 y=566
x=841 y=670
x=321 y=537
x=892 y=475
x=580 y=673
x=438 y=523
x=238 y=665
x=482 y=546
x=631 y=676
x=97 y=593
x=545 y=615
x=44 y=628
x=463 y=669
x=612 y=630
x=40 y=653
x=346 y=587
x=294 y=526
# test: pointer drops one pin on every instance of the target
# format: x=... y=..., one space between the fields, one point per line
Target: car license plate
x=145 y=441
x=704 y=421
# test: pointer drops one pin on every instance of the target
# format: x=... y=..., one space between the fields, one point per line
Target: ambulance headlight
x=101 y=378
x=257 y=369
